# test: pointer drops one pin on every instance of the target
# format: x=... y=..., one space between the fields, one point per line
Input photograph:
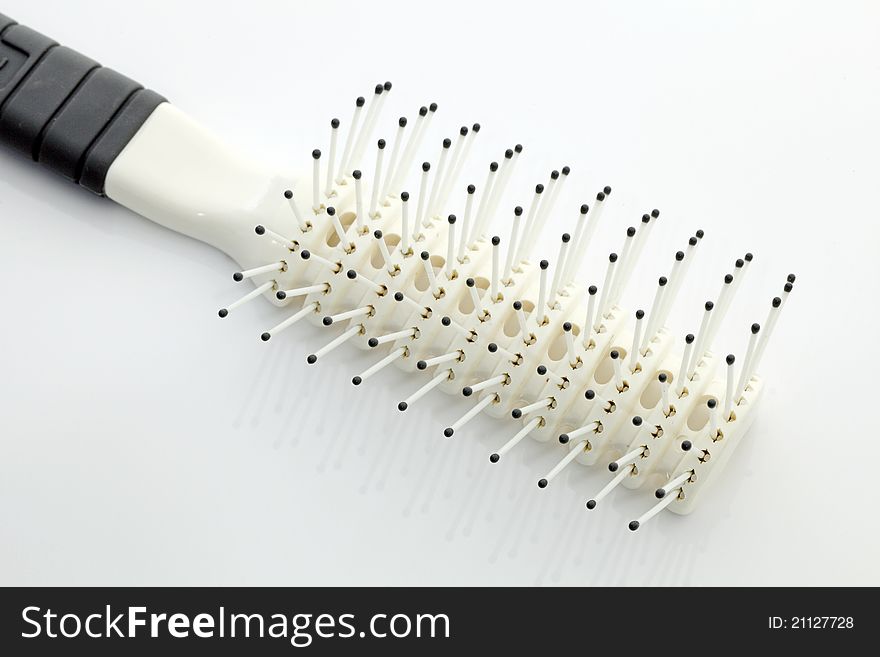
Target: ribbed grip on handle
x=64 y=110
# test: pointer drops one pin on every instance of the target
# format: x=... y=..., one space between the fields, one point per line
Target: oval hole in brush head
x=347 y=219
x=421 y=281
x=606 y=369
x=465 y=305
x=699 y=417
x=557 y=349
x=651 y=395
x=511 y=324
x=391 y=240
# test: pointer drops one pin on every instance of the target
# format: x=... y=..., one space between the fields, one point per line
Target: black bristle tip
x=589 y=394
x=433 y=107
x=634 y=525
x=566 y=238
x=614 y=354
x=518 y=148
x=494 y=458
x=756 y=327
x=517 y=211
x=592 y=290
x=539 y=189
x=424 y=255
x=402 y=406
x=380 y=144
x=377 y=234
x=692 y=241
x=646 y=218
x=475 y=127
x=238 y=277
x=316 y=154
x=398 y=296
x=637 y=421
x=492 y=347
x=356 y=174
x=749 y=257
x=591 y=504
x=265 y=337
x=776 y=302
x=222 y=312
x=600 y=196
x=728 y=279
x=423 y=110
x=699 y=234
x=327 y=321
x=351 y=274
x=359 y=101
x=311 y=359
x=554 y=175
x=508 y=154
x=566 y=327
x=662 y=281
x=281 y=295
x=496 y=240
x=679 y=255
x=467 y=391
x=689 y=338
x=426 y=166
x=662 y=377
x=655 y=213
x=659 y=493
x=612 y=467
x=334 y=123
x=401 y=121
x=516 y=413
x=585 y=208
x=448 y=431
x=471 y=189
x=379 y=89
x=563 y=438
x=631 y=231
x=259 y=230
x=422 y=365
x=640 y=314
x=612 y=257
x=404 y=196
x=712 y=403
x=541 y=370
x=686 y=445
x=446 y=321
x=544 y=264
x=607 y=190
x=709 y=305
x=463 y=130
x=542 y=483
x=566 y=171
x=517 y=305
x=493 y=167
x=288 y=194
x=451 y=219
x=331 y=211
x=305 y=254
x=387 y=86
x=731 y=359
x=447 y=142
x=356 y=380
x=739 y=264
x=373 y=342
x=788 y=287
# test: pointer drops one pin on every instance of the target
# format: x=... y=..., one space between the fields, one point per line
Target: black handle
x=64 y=110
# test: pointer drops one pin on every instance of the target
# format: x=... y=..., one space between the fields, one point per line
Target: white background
x=144 y=441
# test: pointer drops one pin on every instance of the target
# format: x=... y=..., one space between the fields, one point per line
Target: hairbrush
x=436 y=294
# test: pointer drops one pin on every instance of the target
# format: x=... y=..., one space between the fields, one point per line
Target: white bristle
x=263 y=269
x=700 y=345
x=253 y=294
x=637 y=333
x=294 y=207
x=466 y=223
x=398 y=353
x=572 y=264
x=610 y=486
x=360 y=215
x=450 y=246
x=445 y=375
x=423 y=201
x=485 y=194
x=512 y=243
x=560 y=267
x=540 y=313
x=488 y=383
x=357 y=329
x=475 y=297
x=439 y=360
x=573 y=453
x=429 y=272
x=605 y=296
x=495 y=281
x=308 y=309
x=591 y=311
x=439 y=173
x=627 y=459
x=470 y=415
x=286 y=242
x=525 y=244
x=377 y=176
x=685 y=361
x=331 y=159
x=404 y=223
x=395 y=153
x=316 y=181
x=654 y=314
x=517 y=438
x=349 y=139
